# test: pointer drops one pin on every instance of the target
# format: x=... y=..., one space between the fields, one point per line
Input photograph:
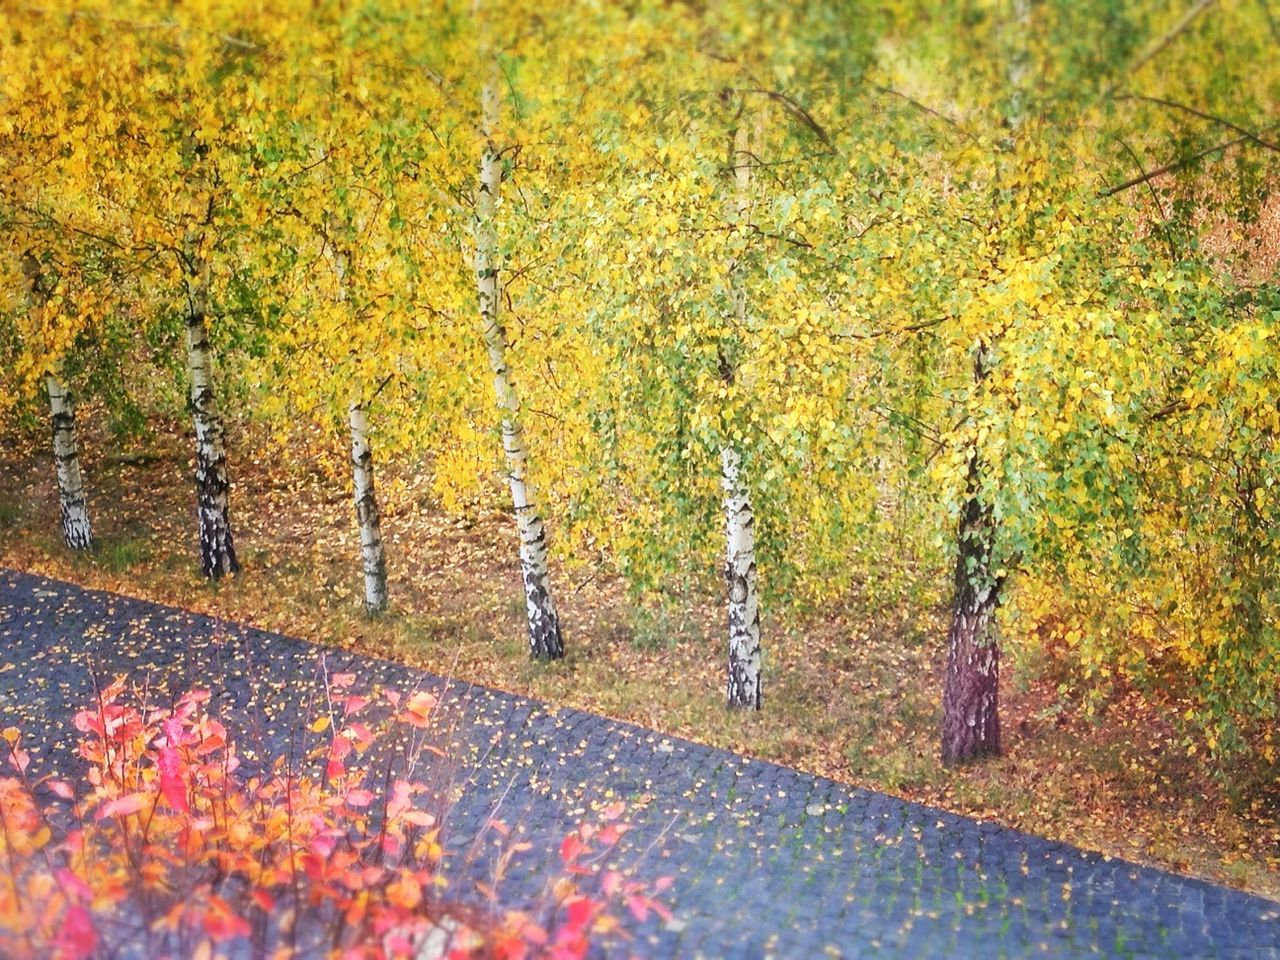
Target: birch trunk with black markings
x=73 y=506
x=213 y=488
x=745 y=686
x=545 y=640
x=76 y=531
x=745 y=682
x=368 y=518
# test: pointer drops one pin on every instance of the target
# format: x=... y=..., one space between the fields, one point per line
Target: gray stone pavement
x=767 y=861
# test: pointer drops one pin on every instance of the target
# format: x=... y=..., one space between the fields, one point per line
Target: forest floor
x=852 y=691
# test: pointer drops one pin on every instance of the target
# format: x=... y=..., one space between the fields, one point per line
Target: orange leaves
x=221 y=859
x=417 y=710
x=405 y=892
x=221 y=922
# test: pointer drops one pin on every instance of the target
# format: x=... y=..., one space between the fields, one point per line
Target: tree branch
x=1248 y=134
x=1156 y=48
x=803 y=115
x=1176 y=165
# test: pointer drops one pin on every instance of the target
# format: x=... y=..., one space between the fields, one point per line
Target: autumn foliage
x=170 y=848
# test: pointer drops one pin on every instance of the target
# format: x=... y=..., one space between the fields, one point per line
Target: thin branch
x=1249 y=134
x=798 y=111
x=924 y=107
x=1175 y=165
x=889 y=332
x=1164 y=219
x=1156 y=48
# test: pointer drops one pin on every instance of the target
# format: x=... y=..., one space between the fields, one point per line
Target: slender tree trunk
x=971 y=688
x=66 y=457
x=545 y=641
x=367 y=516
x=213 y=488
x=745 y=686
x=72 y=503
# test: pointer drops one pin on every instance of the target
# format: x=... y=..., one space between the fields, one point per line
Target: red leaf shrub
x=167 y=851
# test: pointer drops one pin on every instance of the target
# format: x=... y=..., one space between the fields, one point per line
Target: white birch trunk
x=66 y=457
x=72 y=504
x=545 y=641
x=367 y=516
x=213 y=488
x=745 y=687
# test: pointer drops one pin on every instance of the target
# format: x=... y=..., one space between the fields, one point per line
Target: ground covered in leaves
x=851 y=691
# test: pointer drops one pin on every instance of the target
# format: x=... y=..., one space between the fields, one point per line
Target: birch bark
x=545 y=640
x=213 y=488
x=76 y=531
x=745 y=686
x=368 y=516
x=72 y=503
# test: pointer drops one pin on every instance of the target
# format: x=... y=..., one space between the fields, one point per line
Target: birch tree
x=971 y=688
x=213 y=486
x=545 y=640
x=72 y=502
x=745 y=684
x=368 y=519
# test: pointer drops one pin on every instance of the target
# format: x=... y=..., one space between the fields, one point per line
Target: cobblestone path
x=767 y=861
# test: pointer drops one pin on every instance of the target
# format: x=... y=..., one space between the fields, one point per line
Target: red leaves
x=570 y=848
x=221 y=922
x=173 y=786
x=168 y=813
x=339 y=750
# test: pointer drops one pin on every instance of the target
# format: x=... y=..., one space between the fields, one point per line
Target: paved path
x=767 y=861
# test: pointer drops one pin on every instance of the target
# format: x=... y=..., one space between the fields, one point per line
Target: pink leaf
x=20 y=759
x=171 y=781
x=123 y=806
x=639 y=907
x=73 y=886
x=580 y=912
x=77 y=939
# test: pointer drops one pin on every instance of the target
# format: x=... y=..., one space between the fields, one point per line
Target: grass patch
x=120 y=554
x=662 y=624
x=10 y=515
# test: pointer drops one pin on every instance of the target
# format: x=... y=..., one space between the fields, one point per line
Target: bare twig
x=1156 y=48
x=1222 y=121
